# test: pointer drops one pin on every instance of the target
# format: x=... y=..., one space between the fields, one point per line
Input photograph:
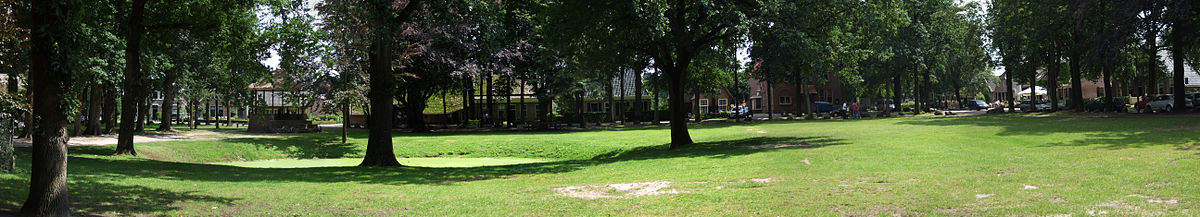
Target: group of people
x=852 y=108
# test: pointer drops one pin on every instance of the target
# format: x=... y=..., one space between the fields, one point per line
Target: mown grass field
x=986 y=165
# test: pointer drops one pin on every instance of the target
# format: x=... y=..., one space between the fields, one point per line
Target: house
x=775 y=97
x=274 y=112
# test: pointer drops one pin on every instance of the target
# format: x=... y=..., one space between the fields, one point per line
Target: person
x=854 y=109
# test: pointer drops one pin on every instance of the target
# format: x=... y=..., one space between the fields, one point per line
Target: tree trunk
x=1032 y=90
x=95 y=104
x=168 y=101
x=657 y=116
x=916 y=91
x=699 y=116
x=1008 y=77
x=217 y=119
x=612 y=105
x=621 y=104
x=468 y=102
x=133 y=79
x=141 y=113
x=48 y=194
x=1177 y=58
x=638 y=105
x=509 y=117
x=958 y=95
x=579 y=114
x=808 y=102
x=1052 y=82
x=678 y=107
x=926 y=91
x=770 y=106
x=379 y=141
x=897 y=93
x=77 y=125
x=491 y=104
x=799 y=92
x=345 y=120
x=1076 y=83
x=110 y=109
x=446 y=112
x=1108 y=92
x=414 y=108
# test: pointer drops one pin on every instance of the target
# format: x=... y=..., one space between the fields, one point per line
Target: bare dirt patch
x=638 y=189
x=620 y=190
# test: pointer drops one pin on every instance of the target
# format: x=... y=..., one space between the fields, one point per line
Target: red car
x=1141 y=105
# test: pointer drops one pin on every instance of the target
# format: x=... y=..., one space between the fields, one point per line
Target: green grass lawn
x=987 y=165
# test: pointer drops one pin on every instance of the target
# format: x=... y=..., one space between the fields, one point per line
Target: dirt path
x=156 y=137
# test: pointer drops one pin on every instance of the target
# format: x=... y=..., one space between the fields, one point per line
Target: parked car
x=826 y=107
x=1097 y=104
x=1141 y=105
x=976 y=105
x=1027 y=106
x=739 y=112
x=1166 y=103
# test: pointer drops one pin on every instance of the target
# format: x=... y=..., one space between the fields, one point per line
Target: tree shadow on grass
x=89 y=198
x=103 y=166
x=1106 y=133
x=305 y=146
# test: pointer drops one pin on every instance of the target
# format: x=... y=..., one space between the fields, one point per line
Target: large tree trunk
x=916 y=91
x=95 y=104
x=1008 y=83
x=133 y=79
x=1177 y=58
x=217 y=119
x=521 y=111
x=141 y=114
x=1052 y=81
x=468 y=111
x=621 y=103
x=414 y=108
x=657 y=116
x=678 y=106
x=770 y=97
x=579 y=107
x=1032 y=90
x=897 y=93
x=379 y=141
x=110 y=109
x=168 y=101
x=1076 y=83
x=491 y=104
x=799 y=91
x=48 y=194
x=544 y=113
x=612 y=105
x=77 y=125
x=699 y=116
x=509 y=117
x=345 y=120
x=1108 y=92
x=638 y=105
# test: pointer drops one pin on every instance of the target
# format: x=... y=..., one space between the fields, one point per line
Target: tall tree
x=50 y=78
x=672 y=33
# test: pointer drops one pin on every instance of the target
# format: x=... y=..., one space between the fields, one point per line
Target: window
x=593 y=107
x=756 y=103
x=723 y=103
x=785 y=100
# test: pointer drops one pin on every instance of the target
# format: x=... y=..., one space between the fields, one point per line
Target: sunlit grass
x=973 y=166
